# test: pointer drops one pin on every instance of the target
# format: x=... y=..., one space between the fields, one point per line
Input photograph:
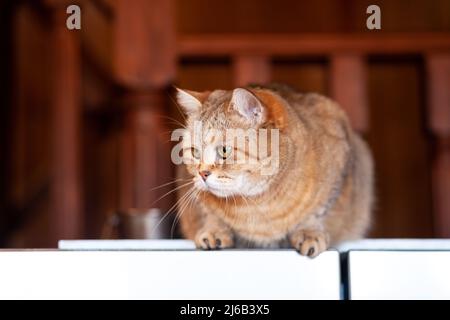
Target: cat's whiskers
x=193 y=193
x=180 y=209
x=175 y=121
x=171 y=191
x=171 y=208
x=168 y=183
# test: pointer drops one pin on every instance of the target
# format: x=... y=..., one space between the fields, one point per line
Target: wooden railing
x=313 y=44
x=144 y=50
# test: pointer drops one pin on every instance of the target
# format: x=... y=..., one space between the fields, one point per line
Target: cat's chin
x=221 y=193
x=224 y=193
x=238 y=188
x=218 y=192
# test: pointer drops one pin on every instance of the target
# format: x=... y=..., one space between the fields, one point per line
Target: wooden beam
x=438 y=67
x=144 y=65
x=67 y=219
x=348 y=86
x=140 y=149
x=249 y=69
x=312 y=44
x=144 y=43
x=97 y=23
x=441 y=187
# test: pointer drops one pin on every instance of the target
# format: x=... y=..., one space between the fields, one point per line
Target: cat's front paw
x=213 y=239
x=309 y=242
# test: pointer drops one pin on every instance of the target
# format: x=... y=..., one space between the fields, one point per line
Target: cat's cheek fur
x=252 y=189
x=200 y=185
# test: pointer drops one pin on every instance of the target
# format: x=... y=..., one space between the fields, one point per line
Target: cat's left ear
x=248 y=105
x=191 y=101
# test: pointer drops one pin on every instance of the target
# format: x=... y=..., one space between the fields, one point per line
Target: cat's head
x=231 y=144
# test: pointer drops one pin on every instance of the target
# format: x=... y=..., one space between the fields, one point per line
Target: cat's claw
x=309 y=242
x=209 y=240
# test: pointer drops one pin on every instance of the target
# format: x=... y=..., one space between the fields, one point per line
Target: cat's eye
x=195 y=153
x=224 y=152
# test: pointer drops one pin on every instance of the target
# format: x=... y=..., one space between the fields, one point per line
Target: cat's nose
x=205 y=174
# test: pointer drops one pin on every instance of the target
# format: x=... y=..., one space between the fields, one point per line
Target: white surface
x=395 y=244
x=227 y=274
x=180 y=244
x=177 y=244
x=399 y=275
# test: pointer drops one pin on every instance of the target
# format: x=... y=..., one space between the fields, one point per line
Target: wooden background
x=79 y=142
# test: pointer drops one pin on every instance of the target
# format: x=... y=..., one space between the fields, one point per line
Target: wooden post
x=67 y=219
x=438 y=67
x=250 y=69
x=144 y=65
x=348 y=86
x=142 y=149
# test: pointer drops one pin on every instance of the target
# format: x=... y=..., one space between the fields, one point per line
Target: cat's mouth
x=220 y=189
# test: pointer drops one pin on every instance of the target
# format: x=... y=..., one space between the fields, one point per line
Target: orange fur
x=320 y=195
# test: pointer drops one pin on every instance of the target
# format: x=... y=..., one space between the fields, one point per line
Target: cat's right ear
x=190 y=101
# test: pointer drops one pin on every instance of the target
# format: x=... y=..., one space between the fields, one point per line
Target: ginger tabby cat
x=319 y=194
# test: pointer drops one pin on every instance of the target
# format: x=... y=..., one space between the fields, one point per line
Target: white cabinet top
x=399 y=274
x=188 y=274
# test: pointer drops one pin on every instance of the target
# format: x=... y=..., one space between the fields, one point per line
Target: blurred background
x=86 y=115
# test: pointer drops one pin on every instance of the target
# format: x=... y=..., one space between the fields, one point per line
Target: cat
x=319 y=194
